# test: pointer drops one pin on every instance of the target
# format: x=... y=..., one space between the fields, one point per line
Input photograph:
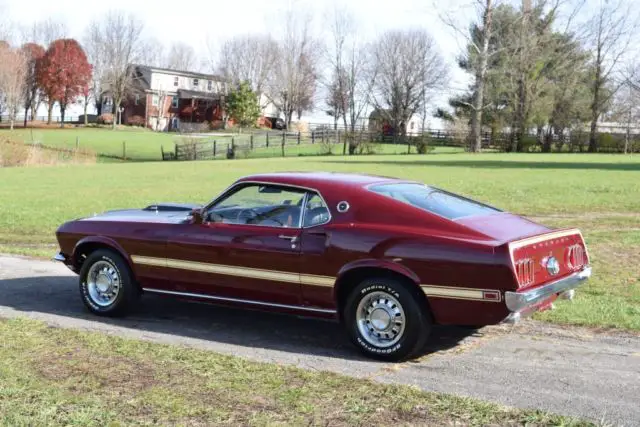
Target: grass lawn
x=51 y=377
x=598 y=193
x=140 y=144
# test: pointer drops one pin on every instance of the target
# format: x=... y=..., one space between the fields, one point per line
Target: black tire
x=119 y=274
x=411 y=339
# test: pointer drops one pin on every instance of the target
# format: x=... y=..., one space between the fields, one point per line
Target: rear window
x=433 y=200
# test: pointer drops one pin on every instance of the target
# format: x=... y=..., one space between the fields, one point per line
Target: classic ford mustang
x=386 y=257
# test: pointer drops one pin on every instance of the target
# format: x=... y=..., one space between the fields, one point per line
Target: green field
x=57 y=377
x=598 y=193
x=140 y=144
x=144 y=145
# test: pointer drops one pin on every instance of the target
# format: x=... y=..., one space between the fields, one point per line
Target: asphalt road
x=572 y=371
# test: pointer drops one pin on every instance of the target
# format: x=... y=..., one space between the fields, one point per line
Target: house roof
x=182 y=73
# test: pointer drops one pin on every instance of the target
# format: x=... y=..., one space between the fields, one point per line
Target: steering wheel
x=247 y=215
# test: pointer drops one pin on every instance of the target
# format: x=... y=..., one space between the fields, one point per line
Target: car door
x=247 y=247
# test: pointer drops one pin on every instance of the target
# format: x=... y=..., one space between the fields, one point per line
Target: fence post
x=214 y=149
x=298 y=137
x=175 y=151
x=162 y=152
x=267 y=139
x=284 y=136
x=124 y=150
x=251 y=142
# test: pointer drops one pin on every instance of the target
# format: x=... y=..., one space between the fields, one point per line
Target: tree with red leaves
x=32 y=53
x=63 y=74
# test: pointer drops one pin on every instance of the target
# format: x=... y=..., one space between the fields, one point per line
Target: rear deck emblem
x=553 y=266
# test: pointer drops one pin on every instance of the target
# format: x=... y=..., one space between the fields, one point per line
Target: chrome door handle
x=292 y=239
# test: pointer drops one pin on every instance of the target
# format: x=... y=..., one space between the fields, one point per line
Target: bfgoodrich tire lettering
x=386 y=320
x=107 y=287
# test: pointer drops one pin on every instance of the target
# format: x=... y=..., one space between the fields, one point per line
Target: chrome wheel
x=381 y=319
x=103 y=283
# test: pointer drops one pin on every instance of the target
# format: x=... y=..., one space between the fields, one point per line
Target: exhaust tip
x=568 y=295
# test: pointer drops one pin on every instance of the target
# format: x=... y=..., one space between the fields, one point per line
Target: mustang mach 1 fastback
x=386 y=257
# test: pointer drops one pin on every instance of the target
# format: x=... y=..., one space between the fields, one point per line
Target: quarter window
x=316 y=211
x=263 y=205
x=433 y=200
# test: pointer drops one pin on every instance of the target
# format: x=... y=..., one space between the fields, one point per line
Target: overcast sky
x=198 y=21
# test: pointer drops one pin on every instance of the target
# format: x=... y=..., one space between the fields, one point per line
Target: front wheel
x=107 y=286
x=386 y=320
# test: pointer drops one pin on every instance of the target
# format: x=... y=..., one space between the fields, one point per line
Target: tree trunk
x=26 y=114
x=62 y=110
x=49 y=112
x=481 y=72
x=86 y=119
x=116 y=109
x=595 y=105
x=11 y=120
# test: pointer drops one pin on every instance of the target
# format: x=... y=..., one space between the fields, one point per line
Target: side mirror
x=197 y=216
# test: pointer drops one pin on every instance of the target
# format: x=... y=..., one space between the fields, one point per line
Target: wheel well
x=83 y=251
x=352 y=278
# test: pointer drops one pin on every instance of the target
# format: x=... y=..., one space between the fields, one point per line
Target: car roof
x=321 y=180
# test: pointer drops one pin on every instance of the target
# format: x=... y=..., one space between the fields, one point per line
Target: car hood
x=160 y=212
x=503 y=226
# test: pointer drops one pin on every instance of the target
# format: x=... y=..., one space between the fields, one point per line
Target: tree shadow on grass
x=498 y=164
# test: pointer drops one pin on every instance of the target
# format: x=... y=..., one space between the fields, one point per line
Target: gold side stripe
x=228 y=270
x=459 y=293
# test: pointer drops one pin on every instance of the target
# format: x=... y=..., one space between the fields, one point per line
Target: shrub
x=105 y=119
x=422 y=144
x=136 y=121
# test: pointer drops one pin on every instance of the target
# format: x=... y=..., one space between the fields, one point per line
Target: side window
x=316 y=211
x=264 y=205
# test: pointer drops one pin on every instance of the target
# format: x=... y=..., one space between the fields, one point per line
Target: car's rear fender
x=354 y=272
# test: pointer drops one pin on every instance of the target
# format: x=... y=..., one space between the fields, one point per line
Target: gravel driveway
x=572 y=371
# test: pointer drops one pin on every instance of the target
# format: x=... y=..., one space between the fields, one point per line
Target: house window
x=195 y=82
x=176 y=81
x=174 y=102
x=209 y=85
x=155 y=100
x=137 y=101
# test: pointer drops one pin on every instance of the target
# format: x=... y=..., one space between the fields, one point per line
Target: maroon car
x=386 y=257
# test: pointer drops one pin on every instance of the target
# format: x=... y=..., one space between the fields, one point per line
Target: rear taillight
x=575 y=257
x=525 y=272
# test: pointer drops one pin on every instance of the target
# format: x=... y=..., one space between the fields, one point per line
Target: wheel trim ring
x=380 y=338
x=100 y=275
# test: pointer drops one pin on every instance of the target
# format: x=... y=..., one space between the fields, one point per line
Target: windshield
x=433 y=200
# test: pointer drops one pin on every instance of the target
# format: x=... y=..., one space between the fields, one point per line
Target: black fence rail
x=331 y=141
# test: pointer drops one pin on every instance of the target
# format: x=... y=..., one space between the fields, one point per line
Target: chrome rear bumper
x=524 y=303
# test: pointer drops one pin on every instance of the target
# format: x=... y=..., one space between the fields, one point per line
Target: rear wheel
x=386 y=320
x=107 y=286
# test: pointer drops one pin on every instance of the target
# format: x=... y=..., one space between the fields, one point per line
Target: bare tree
x=181 y=56
x=610 y=33
x=626 y=109
x=117 y=37
x=408 y=65
x=292 y=85
x=45 y=32
x=479 y=42
x=153 y=54
x=12 y=70
x=352 y=81
x=248 y=58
